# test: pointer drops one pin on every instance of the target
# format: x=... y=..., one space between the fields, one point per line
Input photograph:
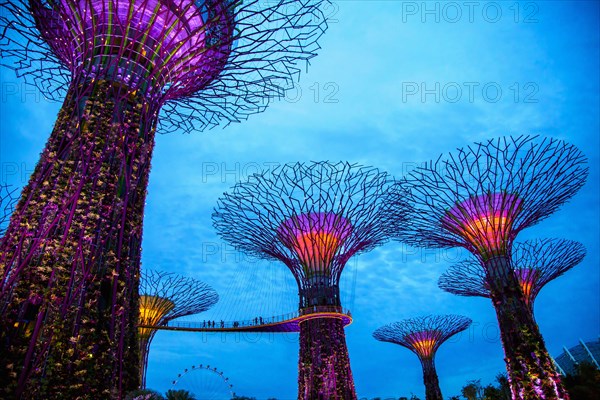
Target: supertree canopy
x=480 y=198
x=535 y=262
x=484 y=221
x=423 y=336
x=164 y=297
x=69 y=261
x=199 y=62
x=312 y=217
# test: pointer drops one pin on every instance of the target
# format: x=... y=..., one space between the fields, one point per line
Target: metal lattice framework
x=480 y=198
x=423 y=336
x=312 y=217
x=70 y=258
x=164 y=297
x=7 y=205
x=536 y=262
x=207 y=62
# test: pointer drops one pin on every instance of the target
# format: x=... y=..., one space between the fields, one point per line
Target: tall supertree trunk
x=431 y=381
x=144 y=343
x=70 y=259
x=530 y=370
x=324 y=366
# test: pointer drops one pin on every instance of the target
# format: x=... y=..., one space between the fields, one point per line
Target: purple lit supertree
x=423 y=336
x=312 y=217
x=535 y=262
x=69 y=261
x=164 y=297
x=480 y=199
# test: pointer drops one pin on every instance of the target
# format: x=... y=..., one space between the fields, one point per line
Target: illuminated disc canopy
x=424 y=343
x=198 y=63
x=484 y=221
x=534 y=262
x=423 y=335
x=315 y=238
x=528 y=278
x=152 y=311
x=178 y=44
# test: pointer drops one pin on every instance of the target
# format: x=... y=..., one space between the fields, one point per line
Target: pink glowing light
x=527 y=278
x=484 y=221
x=315 y=238
x=181 y=44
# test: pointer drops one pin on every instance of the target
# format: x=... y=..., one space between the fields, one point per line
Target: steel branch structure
x=201 y=63
x=7 y=205
x=535 y=262
x=164 y=297
x=423 y=336
x=480 y=198
x=69 y=262
x=312 y=217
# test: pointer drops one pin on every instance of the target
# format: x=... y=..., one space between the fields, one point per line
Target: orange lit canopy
x=152 y=310
x=484 y=221
x=528 y=280
x=315 y=238
x=424 y=343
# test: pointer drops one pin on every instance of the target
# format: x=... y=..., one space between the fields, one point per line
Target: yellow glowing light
x=152 y=310
x=487 y=232
x=424 y=347
x=527 y=286
x=485 y=221
x=316 y=249
x=27 y=327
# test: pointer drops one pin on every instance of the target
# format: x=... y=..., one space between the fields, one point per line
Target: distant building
x=567 y=362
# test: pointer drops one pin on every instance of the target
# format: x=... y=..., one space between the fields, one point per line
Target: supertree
x=163 y=297
x=312 y=217
x=535 y=262
x=69 y=262
x=480 y=199
x=423 y=336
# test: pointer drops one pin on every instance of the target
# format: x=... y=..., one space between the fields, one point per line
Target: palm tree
x=179 y=395
x=144 y=394
x=472 y=390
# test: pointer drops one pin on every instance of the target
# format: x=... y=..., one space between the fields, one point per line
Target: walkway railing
x=251 y=323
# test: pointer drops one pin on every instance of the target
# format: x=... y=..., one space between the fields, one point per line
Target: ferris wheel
x=204 y=382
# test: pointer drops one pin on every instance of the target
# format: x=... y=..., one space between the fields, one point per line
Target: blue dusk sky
x=395 y=84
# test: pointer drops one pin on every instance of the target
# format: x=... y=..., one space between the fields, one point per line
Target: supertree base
x=530 y=370
x=431 y=381
x=70 y=257
x=324 y=366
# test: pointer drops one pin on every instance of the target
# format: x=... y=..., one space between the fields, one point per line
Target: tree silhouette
x=472 y=390
x=179 y=395
x=585 y=383
x=144 y=394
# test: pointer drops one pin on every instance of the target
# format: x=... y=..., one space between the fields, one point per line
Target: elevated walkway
x=283 y=323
